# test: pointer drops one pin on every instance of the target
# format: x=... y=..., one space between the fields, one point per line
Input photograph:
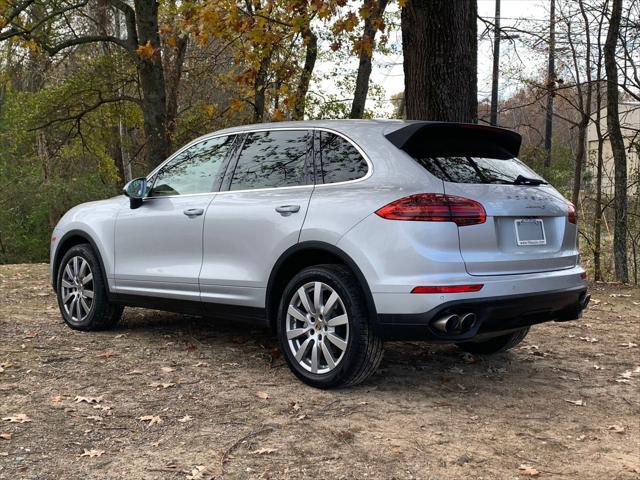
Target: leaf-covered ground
x=173 y=397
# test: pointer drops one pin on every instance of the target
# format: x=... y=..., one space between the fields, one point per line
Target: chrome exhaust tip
x=467 y=321
x=447 y=324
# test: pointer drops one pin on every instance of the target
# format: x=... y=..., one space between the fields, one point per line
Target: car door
x=257 y=216
x=158 y=247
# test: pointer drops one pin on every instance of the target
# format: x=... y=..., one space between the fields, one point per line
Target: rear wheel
x=82 y=294
x=495 y=344
x=324 y=329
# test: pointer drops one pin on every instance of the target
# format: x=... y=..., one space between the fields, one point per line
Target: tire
x=349 y=342
x=495 y=344
x=82 y=297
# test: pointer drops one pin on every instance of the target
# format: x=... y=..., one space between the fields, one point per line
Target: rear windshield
x=477 y=169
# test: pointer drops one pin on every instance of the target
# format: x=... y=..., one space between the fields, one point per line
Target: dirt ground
x=167 y=396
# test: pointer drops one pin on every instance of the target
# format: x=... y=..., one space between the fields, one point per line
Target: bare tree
x=617 y=145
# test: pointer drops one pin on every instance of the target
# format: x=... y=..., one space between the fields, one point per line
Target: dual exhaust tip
x=455 y=324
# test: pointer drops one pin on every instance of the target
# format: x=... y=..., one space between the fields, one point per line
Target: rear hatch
x=527 y=227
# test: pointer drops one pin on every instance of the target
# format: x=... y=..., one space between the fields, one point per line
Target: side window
x=273 y=159
x=340 y=161
x=193 y=170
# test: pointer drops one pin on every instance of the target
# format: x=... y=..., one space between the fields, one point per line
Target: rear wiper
x=522 y=180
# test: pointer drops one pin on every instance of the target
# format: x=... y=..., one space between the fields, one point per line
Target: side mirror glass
x=136 y=190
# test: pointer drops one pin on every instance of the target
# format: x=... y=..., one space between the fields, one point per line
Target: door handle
x=193 y=212
x=286 y=210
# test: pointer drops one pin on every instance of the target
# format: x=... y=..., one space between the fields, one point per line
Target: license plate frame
x=526 y=242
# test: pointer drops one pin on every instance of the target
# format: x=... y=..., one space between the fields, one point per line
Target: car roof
x=345 y=126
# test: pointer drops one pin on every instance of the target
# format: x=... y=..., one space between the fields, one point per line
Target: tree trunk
x=580 y=159
x=173 y=77
x=305 y=76
x=259 y=87
x=367 y=46
x=440 y=59
x=617 y=146
x=152 y=84
x=597 y=250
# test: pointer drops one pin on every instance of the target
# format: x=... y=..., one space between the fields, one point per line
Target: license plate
x=530 y=231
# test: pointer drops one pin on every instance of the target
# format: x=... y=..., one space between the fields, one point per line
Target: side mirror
x=136 y=190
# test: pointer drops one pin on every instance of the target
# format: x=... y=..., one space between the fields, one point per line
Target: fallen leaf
x=184 y=419
x=262 y=395
x=80 y=399
x=151 y=419
x=92 y=453
x=94 y=417
x=527 y=471
x=579 y=403
x=106 y=354
x=135 y=372
x=616 y=428
x=30 y=334
x=160 y=385
x=264 y=451
x=200 y=472
x=631 y=468
x=168 y=369
x=468 y=358
x=5 y=436
x=56 y=399
x=18 y=418
x=589 y=339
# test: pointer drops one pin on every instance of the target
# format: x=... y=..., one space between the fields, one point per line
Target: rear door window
x=340 y=161
x=272 y=159
x=459 y=169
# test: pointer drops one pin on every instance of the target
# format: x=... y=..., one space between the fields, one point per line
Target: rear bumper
x=493 y=315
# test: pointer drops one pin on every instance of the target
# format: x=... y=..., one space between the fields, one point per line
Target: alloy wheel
x=317 y=330
x=77 y=289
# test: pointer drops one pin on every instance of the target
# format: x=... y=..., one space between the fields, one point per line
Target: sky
x=387 y=70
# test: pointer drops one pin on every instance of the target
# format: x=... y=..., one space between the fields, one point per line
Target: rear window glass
x=477 y=169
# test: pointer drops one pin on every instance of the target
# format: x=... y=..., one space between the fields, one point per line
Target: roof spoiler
x=444 y=139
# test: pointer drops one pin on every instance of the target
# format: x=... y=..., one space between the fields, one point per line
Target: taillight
x=572 y=216
x=435 y=207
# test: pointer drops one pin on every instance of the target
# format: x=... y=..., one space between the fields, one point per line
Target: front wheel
x=495 y=344
x=82 y=293
x=324 y=329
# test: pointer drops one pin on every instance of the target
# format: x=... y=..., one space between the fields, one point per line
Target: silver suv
x=338 y=235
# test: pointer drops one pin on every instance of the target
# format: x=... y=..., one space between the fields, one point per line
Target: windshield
x=479 y=170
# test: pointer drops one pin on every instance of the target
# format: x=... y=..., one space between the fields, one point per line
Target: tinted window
x=272 y=159
x=193 y=170
x=339 y=160
x=476 y=169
